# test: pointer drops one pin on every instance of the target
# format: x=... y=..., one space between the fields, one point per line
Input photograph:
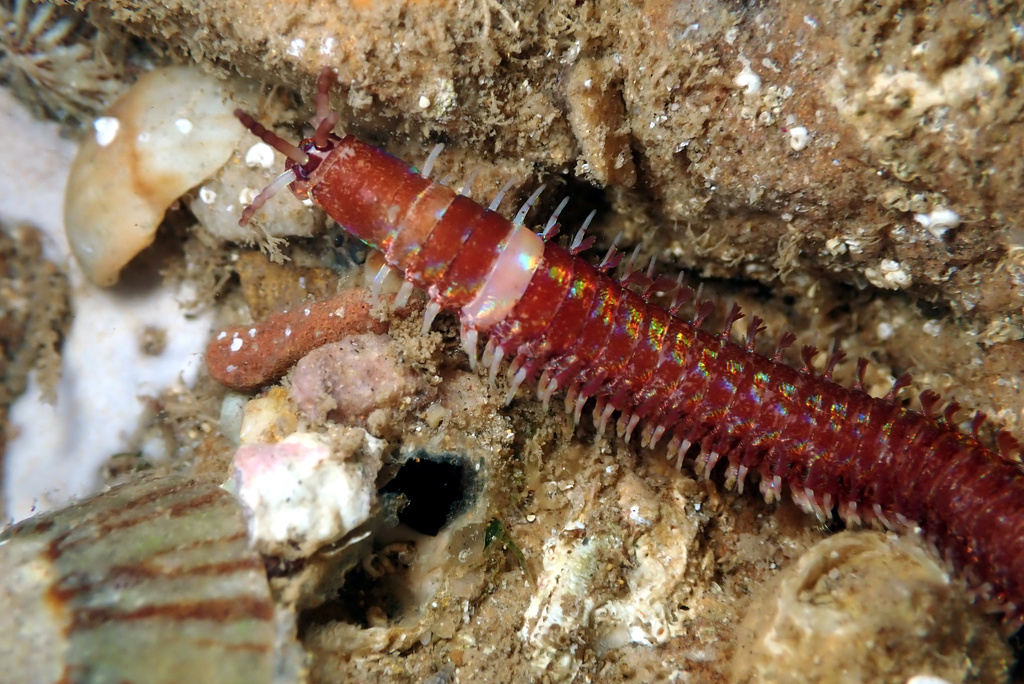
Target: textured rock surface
x=851 y=176
x=794 y=148
x=859 y=607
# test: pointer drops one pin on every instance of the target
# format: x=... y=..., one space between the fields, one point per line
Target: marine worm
x=569 y=326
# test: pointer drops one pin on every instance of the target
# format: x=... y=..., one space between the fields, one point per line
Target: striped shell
x=149 y=582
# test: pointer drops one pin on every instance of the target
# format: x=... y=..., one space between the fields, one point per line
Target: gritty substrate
x=813 y=154
x=680 y=123
x=619 y=547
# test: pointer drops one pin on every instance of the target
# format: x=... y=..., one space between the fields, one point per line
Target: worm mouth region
x=304 y=158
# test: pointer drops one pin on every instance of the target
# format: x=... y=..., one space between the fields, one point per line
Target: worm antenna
x=324 y=120
x=323 y=98
x=265 y=194
x=272 y=139
x=323 y=130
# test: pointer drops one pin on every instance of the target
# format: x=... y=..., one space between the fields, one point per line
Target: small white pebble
x=207 y=195
x=889 y=265
x=809 y=20
x=300 y=492
x=589 y=82
x=898 y=278
x=327 y=45
x=927 y=679
x=531 y=517
x=799 y=138
x=232 y=410
x=184 y=126
x=305 y=312
x=296 y=47
x=260 y=155
x=885 y=331
x=288 y=331
x=236 y=344
x=933 y=328
x=247 y=195
x=938 y=221
x=106 y=130
x=835 y=246
x=252 y=332
x=634 y=515
x=424 y=102
x=221 y=335
x=748 y=80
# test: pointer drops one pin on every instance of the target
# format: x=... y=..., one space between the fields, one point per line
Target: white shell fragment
x=799 y=138
x=748 y=79
x=306 y=490
x=150 y=582
x=938 y=221
x=661 y=540
x=165 y=135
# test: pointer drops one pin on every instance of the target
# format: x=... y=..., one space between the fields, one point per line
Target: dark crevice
x=428 y=491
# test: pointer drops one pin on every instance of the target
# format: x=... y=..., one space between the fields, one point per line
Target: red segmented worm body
x=570 y=326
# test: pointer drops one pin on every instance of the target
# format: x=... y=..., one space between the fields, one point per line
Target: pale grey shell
x=149 y=582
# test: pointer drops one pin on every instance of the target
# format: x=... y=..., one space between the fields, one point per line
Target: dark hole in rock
x=375 y=593
x=428 y=491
